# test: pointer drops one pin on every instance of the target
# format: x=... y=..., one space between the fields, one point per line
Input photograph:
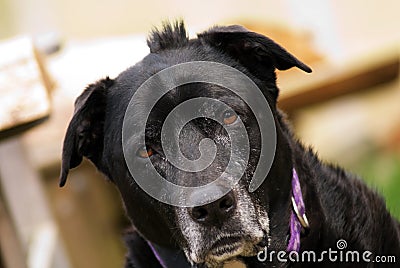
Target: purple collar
x=298 y=217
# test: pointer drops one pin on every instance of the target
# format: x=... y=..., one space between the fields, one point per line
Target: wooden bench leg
x=25 y=199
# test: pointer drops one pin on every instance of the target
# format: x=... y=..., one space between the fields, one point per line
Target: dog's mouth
x=226 y=247
x=230 y=247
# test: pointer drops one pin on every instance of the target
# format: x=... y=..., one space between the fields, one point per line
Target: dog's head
x=239 y=222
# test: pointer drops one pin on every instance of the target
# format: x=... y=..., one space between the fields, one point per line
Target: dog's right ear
x=84 y=137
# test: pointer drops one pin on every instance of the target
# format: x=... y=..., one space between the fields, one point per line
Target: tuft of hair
x=171 y=35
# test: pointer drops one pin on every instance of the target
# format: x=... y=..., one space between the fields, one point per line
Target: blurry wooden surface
x=28 y=209
x=24 y=103
x=24 y=86
x=90 y=216
x=11 y=248
x=328 y=81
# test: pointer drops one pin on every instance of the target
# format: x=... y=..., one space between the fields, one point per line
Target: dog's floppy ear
x=255 y=51
x=84 y=137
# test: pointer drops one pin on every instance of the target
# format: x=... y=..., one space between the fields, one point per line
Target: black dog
x=239 y=225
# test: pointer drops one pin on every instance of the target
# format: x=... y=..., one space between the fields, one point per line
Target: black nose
x=215 y=213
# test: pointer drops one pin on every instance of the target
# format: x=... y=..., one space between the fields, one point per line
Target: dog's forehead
x=161 y=99
x=175 y=96
x=154 y=64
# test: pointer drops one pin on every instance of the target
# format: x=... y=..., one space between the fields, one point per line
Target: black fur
x=171 y=36
x=85 y=131
x=338 y=205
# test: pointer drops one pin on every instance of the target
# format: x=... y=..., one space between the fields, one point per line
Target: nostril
x=226 y=203
x=199 y=213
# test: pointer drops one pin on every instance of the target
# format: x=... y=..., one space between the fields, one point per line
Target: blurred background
x=348 y=109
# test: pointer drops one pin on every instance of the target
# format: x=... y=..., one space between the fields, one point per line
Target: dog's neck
x=334 y=215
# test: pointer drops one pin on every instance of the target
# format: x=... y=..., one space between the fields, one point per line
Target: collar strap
x=155 y=253
x=298 y=217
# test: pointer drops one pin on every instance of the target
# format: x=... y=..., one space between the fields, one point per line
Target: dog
x=301 y=205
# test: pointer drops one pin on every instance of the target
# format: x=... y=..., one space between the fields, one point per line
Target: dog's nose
x=215 y=213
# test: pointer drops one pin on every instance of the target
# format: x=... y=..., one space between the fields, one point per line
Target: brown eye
x=230 y=117
x=144 y=152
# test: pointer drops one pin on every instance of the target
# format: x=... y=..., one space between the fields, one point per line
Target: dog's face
x=238 y=223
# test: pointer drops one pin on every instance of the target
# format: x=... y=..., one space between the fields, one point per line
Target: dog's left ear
x=84 y=137
x=255 y=51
